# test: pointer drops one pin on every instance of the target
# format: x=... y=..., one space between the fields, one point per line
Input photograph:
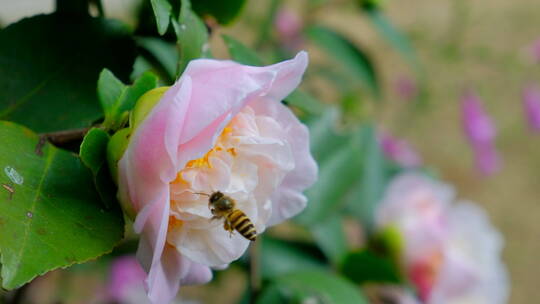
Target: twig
x=65 y=136
x=254 y=268
x=60 y=138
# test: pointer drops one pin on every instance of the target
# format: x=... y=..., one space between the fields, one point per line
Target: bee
x=223 y=206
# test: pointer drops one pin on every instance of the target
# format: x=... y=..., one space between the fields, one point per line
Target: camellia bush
x=137 y=157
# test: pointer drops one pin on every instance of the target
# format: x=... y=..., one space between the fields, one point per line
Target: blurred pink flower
x=534 y=50
x=481 y=132
x=126 y=279
x=288 y=26
x=406 y=88
x=531 y=105
x=399 y=151
x=451 y=252
x=221 y=126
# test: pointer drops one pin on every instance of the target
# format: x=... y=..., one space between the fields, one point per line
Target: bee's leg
x=215 y=217
x=227 y=226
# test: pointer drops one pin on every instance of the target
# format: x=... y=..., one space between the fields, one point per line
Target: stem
x=65 y=136
x=254 y=269
x=61 y=138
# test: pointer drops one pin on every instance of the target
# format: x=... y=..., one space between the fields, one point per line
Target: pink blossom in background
x=406 y=88
x=288 y=25
x=399 y=151
x=481 y=132
x=126 y=278
x=531 y=106
x=221 y=126
x=534 y=51
x=452 y=253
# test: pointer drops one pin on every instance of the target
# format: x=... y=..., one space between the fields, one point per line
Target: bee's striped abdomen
x=241 y=223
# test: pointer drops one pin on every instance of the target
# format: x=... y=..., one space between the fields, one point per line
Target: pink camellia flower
x=126 y=281
x=480 y=132
x=531 y=105
x=220 y=127
x=451 y=252
x=289 y=28
x=534 y=50
x=399 y=150
x=406 y=88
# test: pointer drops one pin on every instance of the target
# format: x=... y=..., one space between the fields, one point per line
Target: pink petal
x=288 y=199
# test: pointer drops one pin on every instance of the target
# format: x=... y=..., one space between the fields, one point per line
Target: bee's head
x=220 y=202
x=216 y=196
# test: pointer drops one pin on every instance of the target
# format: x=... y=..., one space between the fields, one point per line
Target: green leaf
x=48 y=70
x=281 y=257
x=161 y=53
x=338 y=156
x=241 y=53
x=336 y=176
x=192 y=35
x=323 y=135
x=223 y=11
x=162 y=12
x=306 y=102
x=330 y=237
x=373 y=181
x=394 y=37
x=117 y=99
x=109 y=89
x=50 y=215
x=93 y=151
x=365 y=266
x=321 y=286
x=348 y=55
x=93 y=154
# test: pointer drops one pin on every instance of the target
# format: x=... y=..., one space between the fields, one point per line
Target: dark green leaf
x=93 y=154
x=394 y=37
x=109 y=90
x=320 y=286
x=323 y=135
x=192 y=35
x=241 y=53
x=373 y=180
x=93 y=151
x=365 y=266
x=330 y=237
x=281 y=257
x=338 y=172
x=50 y=215
x=118 y=99
x=306 y=102
x=351 y=58
x=267 y=24
x=140 y=66
x=72 y=6
x=163 y=53
x=162 y=12
x=49 y=69
x=223 y=11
